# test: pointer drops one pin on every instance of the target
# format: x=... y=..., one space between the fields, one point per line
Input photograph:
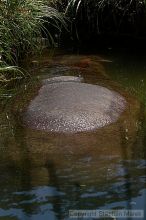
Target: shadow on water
x=43 y=176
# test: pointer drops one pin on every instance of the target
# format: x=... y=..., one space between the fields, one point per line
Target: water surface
x=43 y=176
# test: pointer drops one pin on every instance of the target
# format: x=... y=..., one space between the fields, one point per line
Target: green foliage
x=9 y=73
x=60 y=5
x=21 y=25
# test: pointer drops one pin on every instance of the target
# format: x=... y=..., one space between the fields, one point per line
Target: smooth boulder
x=71 y=107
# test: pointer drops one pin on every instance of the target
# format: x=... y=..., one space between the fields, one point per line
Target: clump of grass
x=21 y=26
x=107 y=16
x=9 y=73
x=60 y=5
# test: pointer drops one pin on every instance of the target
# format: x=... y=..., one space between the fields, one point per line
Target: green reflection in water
x=129 y=69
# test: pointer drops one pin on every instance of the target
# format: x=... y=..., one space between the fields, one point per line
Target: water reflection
x=43 y=176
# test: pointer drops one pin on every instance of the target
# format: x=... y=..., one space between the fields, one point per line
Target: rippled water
x=43 y=176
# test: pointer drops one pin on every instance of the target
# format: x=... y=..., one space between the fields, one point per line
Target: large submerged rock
x=73 y=107
x=76 y=158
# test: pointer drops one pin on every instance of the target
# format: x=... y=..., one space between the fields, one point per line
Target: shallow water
x=43 y=176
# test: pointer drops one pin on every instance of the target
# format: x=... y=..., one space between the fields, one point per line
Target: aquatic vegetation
x=21 y=26
x=136 y=88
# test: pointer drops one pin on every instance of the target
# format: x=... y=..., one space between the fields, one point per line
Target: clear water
x=44 y=176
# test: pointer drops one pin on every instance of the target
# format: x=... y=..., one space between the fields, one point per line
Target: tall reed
x=95 y=17
x=21 y=26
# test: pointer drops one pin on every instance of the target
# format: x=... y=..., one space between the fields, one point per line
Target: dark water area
x=43 y=176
